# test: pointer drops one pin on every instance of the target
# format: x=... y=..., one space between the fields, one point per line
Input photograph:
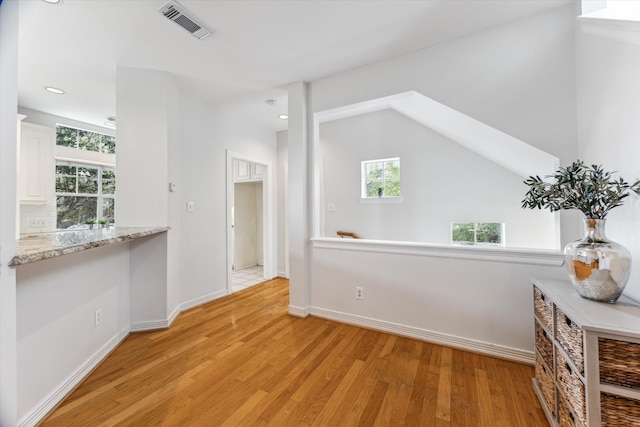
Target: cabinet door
x=257 y=171
x=242 y=171
x=36 y=174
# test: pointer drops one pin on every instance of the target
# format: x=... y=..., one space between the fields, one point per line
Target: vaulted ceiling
x=258 y=48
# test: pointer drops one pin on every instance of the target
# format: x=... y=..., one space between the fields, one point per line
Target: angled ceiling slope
x=502 y=149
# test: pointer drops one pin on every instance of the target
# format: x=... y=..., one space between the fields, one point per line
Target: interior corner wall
x=8 y=202
x=208 y=131
x=518 y=78
x=608 y=65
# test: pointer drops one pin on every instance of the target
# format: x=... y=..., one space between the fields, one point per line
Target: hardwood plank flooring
x=243 y=361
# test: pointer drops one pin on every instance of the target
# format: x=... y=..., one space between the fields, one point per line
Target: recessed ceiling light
x=110 y=124
x=52 y=1
x=271 y=102
x=54 y=90
x=283 y=116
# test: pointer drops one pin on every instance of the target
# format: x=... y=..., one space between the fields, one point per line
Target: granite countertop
x=36 y=247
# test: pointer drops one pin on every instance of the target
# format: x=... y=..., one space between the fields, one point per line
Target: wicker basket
x=619 y=411
x=569 y=336
x=572 y=388
x=544 y=377
x=542 y=307
x=619 y=362
x=544 y=345
x=565 y=417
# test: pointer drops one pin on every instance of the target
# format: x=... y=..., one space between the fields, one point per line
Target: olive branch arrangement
x=591 y=190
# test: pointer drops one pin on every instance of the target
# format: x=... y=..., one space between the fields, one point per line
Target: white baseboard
x=166 y=323
x=426 y=335
x=151 y=325
x=203 y=299
x=299 y=311
x=48 y=403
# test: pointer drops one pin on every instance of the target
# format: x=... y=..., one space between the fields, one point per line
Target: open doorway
x=250 y=231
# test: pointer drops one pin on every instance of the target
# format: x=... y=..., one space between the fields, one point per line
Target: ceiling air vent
x=181 y=16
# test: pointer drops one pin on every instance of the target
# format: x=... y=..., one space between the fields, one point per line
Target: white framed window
x=85 y=178
x=380 y=179
x=477 y=233
x=84 y=193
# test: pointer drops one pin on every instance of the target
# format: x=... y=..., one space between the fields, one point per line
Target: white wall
x=207 y=133
x=282 y=169
x=56 y=302
x=609 y=129
x=518 y=78
x=441 y=182
x=8 y=202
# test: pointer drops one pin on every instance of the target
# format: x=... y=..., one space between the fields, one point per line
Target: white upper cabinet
x=36 y=170
x=246 y=171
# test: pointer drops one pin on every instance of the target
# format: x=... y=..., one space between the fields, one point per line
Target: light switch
x=331 y=207
x=189 y=206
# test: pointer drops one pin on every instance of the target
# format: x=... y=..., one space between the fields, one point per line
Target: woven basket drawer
x=544 y=345
x=619 y=362
x=542 y=307
x=569 y=336
x=618 y=411
x=572 y=389
x=544 y=377
x=565 y=417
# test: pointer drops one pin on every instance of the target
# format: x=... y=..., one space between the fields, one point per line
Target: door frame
x=268 y=216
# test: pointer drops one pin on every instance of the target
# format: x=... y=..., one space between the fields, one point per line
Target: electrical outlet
x=97 y=317
x=359 y=293
x=36 y=222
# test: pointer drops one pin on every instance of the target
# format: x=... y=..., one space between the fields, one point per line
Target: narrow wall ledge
x=492 y=254
x=36 y=247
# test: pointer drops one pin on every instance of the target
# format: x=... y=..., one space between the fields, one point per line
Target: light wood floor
x=242 y=361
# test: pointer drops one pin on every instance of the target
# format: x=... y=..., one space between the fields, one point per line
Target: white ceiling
x=258 y=48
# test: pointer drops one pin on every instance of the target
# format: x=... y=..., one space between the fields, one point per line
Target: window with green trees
x=85 y=191
x=477 y=233
x=85 y=140
x=381 y=178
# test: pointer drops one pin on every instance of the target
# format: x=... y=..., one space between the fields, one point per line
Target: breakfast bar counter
x=36 y=247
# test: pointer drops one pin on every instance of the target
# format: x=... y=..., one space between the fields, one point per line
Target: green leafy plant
x=591 y=190
x=102 y=221
x=89 y=222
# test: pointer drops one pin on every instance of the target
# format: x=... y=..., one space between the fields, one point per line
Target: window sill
x=492 y=254
x=381 y=200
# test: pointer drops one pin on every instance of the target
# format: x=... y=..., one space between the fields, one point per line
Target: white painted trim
x=174 y=315
x=299 y=311
x=381 y=200
x=56 y=396
x=495 y=254
x=490 y=349
x=269 y=231
x=203 y=300
x=151 y=325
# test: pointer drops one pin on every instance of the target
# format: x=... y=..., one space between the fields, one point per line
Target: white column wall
x=298 y=194
x=609 y=125
x=8 y=141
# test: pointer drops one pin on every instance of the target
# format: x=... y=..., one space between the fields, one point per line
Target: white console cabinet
x=587 y=358
x=36 y=169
